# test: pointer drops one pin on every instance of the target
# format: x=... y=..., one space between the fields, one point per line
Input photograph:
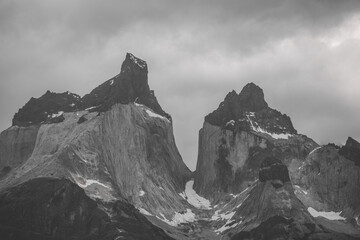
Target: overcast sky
x=304 y=54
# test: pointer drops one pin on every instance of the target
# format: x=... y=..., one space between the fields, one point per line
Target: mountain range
x=106 y=166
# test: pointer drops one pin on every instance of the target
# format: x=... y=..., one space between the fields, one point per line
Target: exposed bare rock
x=248 y=110
x=46 y=208
x=130 y=85
x=47 y=108
x=129 y=148
x=351 y=151
x=237 y=136
x=106 y=166
x=16 y=145
x=332 y=182
x=272 y=169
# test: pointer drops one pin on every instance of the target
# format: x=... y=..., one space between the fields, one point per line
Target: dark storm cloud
x=304 y=54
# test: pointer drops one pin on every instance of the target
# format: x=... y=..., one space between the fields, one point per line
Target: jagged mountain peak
x=351 y=142
x=46 y=108
x=251 y=98
x=351 y=150
x=130 y=85
x=132 y=62
x=248 y=111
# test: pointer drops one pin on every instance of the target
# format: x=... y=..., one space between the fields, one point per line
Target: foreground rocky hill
x=106 y=166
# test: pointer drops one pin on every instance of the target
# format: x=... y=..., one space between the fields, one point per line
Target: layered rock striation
x=116 y=143
x=106 y=166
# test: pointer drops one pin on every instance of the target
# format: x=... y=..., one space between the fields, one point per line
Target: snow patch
x=327 y=215
x=89 y=108
x=227 y=226
x=225 y=216
x=257 y=128
x=94 y=188
x=138 y=105
x=111 y=82
x=143 y=211
x=314 y=150
x=140 y=63
x=231 y=122
x=58 y=114
x=193 y=198
x=152 y=114
x=141 y=193
x=300 y=189
x=89 y=182
x=179 y=218
x=72 y=105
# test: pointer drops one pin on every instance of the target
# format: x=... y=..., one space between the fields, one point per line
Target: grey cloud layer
x=197 y=51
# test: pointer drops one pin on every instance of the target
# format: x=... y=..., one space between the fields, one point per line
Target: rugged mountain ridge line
x=114 y=151
x=130 y=85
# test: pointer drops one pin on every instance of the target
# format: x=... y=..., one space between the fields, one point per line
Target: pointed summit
x=133 y=64
x=351 y=150
x=248 y=111
x=251 y=98
x=130 y=85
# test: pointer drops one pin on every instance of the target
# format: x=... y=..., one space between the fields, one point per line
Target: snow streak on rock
x=179 y=218
x=58 y=114
x=255 y=127
x=193 y=198
x=327 y=215
x=143 y=211
x=314 y=150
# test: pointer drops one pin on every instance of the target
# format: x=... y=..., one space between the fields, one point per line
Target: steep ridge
x=130 y=85
x=16 y=146
x=351 y=150
x=249 y=157
x=235 y=138
x=106 y=166
x=48 y=208
x=327 y=181
x=114 y=147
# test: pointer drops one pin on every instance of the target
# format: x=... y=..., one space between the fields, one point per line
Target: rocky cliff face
x=116 y=143
x=236 y=137
x=329 y=182
x=351 y=151
x=245 y=144
x=16 y=146
x=106 y=166
x=48 y=208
